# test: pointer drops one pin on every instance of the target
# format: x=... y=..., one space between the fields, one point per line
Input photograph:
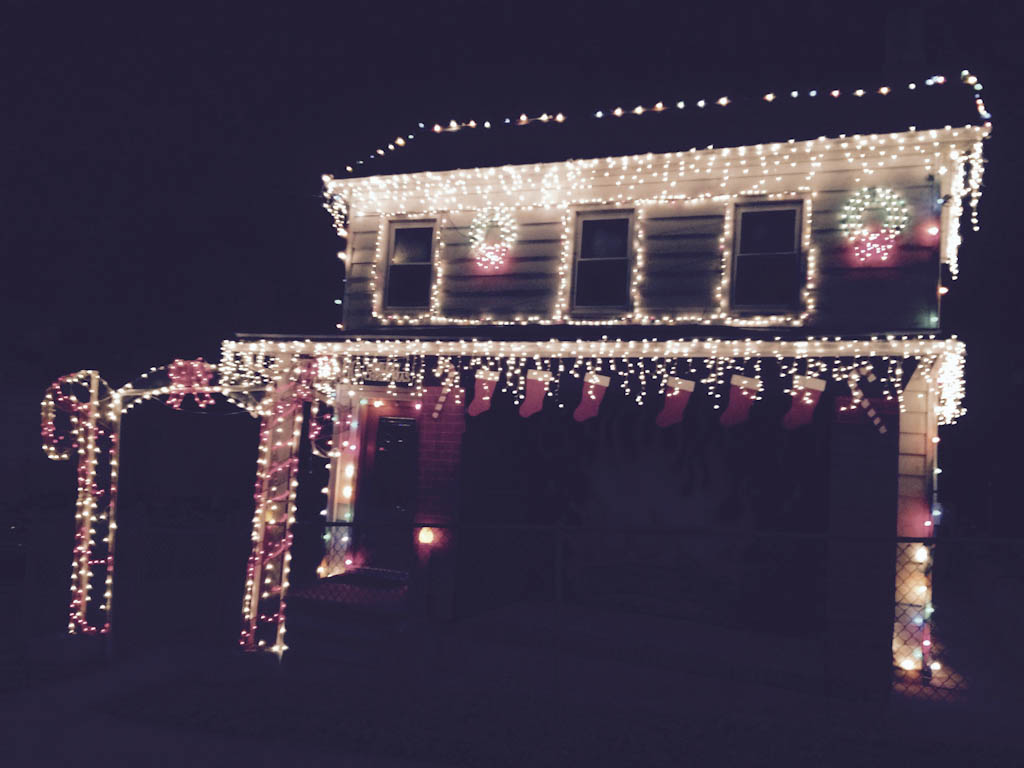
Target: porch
x=719 y=516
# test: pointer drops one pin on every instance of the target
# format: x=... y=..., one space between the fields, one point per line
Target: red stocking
x=806 y=394
x=536 y=387
x=594 y=387
x=676 y=397
x=485 y=382
x=742 y=392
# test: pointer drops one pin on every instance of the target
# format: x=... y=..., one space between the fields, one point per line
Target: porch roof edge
x=874 y=346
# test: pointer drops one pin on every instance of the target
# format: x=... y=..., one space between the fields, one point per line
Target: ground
x=494 y=691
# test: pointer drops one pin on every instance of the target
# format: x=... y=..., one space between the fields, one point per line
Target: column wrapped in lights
x=266 y=584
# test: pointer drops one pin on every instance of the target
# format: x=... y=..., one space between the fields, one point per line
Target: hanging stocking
x=536 y=387
x=677 y=395
x=742 y=391
x=594 y=387
x=485 y=382
x=806 y=394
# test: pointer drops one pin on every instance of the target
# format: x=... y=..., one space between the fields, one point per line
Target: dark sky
x=162 y=166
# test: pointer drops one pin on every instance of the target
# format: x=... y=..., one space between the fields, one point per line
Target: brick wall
x=440 y=448
x=859 y=556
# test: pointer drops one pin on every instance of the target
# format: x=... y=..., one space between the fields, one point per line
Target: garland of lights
x=338 y=208
x=491 y=255
x=968 y=79
x=867 y=241
x=639 y=366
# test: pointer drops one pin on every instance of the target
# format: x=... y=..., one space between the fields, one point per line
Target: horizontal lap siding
x=683 y=257
x=683 y=261
x=526 y=285
x=357 y=308
x=899 y=293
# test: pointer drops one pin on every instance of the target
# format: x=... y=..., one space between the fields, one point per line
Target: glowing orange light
x=426 y=536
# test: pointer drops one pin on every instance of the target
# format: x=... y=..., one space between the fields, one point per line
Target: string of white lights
x=967 y=79
x=710 y=178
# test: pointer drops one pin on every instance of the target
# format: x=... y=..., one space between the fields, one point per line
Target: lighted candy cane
x=449 y=384
x=858 y=395
x=95 y=505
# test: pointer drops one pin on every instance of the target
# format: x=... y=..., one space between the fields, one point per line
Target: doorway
x=385 y=507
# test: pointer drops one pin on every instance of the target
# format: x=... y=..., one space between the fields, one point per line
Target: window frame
x=739 y=209
x=598 y=214
x=393 y=226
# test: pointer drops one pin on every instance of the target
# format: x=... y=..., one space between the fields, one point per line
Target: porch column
x=911 y=643
x=263 y=608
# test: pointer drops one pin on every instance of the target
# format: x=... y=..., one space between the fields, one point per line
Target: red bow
x=190 y=377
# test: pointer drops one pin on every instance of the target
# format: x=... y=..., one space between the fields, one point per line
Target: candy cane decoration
x=861 y=399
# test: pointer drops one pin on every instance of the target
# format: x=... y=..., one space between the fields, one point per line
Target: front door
x=385 y=507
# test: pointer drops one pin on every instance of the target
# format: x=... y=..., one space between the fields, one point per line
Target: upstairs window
x=602 y=261
x=767 y=265
x=409 y=262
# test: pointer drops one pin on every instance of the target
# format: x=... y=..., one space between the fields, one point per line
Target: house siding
x=687 y=245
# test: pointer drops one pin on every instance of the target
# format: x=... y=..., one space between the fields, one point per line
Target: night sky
x=162 y=167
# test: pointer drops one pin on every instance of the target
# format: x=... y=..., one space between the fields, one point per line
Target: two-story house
x=601 y=335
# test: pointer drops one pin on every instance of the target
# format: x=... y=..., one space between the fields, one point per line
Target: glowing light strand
x=966 y=78
x=490 y=252
x=869 y=241
x=646 y=181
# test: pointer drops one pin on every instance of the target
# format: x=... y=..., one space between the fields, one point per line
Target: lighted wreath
x=491 y=236
x=872 y=219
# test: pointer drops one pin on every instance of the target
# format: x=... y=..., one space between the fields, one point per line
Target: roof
x=669 y=126
x=676 y=124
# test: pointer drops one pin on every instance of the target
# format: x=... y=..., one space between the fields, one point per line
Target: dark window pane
x=602 y=283
x=767 y=281
x=768 y=231
x=412 y=245
x=408 y=285
x=604 y=239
